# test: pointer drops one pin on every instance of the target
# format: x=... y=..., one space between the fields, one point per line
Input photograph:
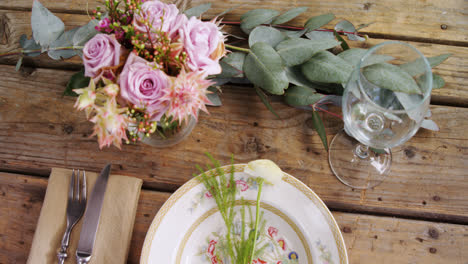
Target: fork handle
x=62 y=254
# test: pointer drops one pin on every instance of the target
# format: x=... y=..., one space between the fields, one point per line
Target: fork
x=76 y=205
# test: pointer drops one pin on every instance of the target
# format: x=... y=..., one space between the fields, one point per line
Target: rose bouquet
x=148 y=69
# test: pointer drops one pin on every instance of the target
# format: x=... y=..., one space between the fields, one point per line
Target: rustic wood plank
x=369 y=239
x=454 y=70
x=396 y=18
x=39 y=129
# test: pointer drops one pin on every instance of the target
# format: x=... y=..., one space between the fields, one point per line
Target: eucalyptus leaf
x=345 y=25
x=430 y=125
x=269 y=35
x=263 y=67
x=300 y=96
x=344 y=45
x=18 y=64
x=326 y=68
x=437 y=81
x=316 y=22
x=213 y=96
x=46 y=27
x=264 y=99
x=298 y=50
x=295 y=76
x=378 y=151
x=77 y=81
x=417 y=66
x=85 y=33
x=354 y=55
x=320 y=34
x=411 y=103
x=256 y=17
x=232 y=65
x=65 y=40
x=320 y=128
x=391 y=77
x=197 y=11
x=29 y=44
x=289 y=15
x=293 y=33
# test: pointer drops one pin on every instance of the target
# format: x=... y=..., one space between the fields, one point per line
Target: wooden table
x=418 y=215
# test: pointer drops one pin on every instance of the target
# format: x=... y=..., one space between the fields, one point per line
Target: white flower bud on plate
x=265 y=169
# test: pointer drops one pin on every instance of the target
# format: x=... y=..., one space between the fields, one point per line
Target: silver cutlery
x=76 y=205
x=91 y=218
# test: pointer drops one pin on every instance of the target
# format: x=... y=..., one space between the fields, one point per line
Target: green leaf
x=320 y=35
x=263 y=67
x=318 y=21
x=300 y=96
x=77 y=81
x=293 y=33
x=298 y=50
x=85 y=33
x=269 y=35
x=437 y=81
x=417 y=66
x=354 y=55
x=430 y=125
x=197 y=11
x=344 y=45
x=327 y=68
x=45 y=26
x=265 y=101
x=18 y=64
x=295 y=76
x=391 y=77
x=257 y=17
x=65 y=40
x=345 y=25
x=29 y=44
x=289 y=15
x=232 y=65
x=320 y=128
x=214 y=96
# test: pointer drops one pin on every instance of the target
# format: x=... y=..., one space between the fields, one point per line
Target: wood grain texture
x=369 y=239
x=414 y=19
x=39 y=129
x=454 y=70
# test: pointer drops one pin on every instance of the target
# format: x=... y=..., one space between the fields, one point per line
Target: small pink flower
x=144 y=86
x=187 y=95
x=202 y=42
x=101 y=51
x=272 y=231
x=110 y=124
x=242 y=185
x=162 y=17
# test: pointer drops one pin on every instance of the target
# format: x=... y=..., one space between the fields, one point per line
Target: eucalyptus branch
x=237 y=48
x=21 y=52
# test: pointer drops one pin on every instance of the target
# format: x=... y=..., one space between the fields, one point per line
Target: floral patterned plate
x=297 y=227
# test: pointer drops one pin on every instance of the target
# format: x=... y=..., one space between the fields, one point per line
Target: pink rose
x=144 y=86
x=153 y=11
x=202 y=41
x=101 y=51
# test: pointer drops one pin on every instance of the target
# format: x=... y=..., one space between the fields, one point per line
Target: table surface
x=418 y=215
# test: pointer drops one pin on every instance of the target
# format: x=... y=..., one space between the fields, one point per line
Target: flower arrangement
x=149 y=67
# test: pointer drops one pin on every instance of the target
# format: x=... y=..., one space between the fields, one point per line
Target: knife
x=91 y=218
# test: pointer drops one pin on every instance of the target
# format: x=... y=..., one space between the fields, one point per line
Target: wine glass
x=384 y=103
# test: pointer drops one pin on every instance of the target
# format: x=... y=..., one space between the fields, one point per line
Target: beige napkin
x=115 y=226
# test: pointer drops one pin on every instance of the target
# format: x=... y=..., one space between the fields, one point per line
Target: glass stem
x=362 y=151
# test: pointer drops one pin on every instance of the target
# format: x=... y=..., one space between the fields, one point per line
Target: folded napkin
x=115 y=226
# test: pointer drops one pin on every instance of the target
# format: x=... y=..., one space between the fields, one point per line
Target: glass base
x=357 y=165
x=159 y=142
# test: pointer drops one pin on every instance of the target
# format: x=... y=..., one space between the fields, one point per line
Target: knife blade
x=91 y=217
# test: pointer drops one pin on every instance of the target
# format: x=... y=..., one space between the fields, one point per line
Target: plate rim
x=239 y=167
